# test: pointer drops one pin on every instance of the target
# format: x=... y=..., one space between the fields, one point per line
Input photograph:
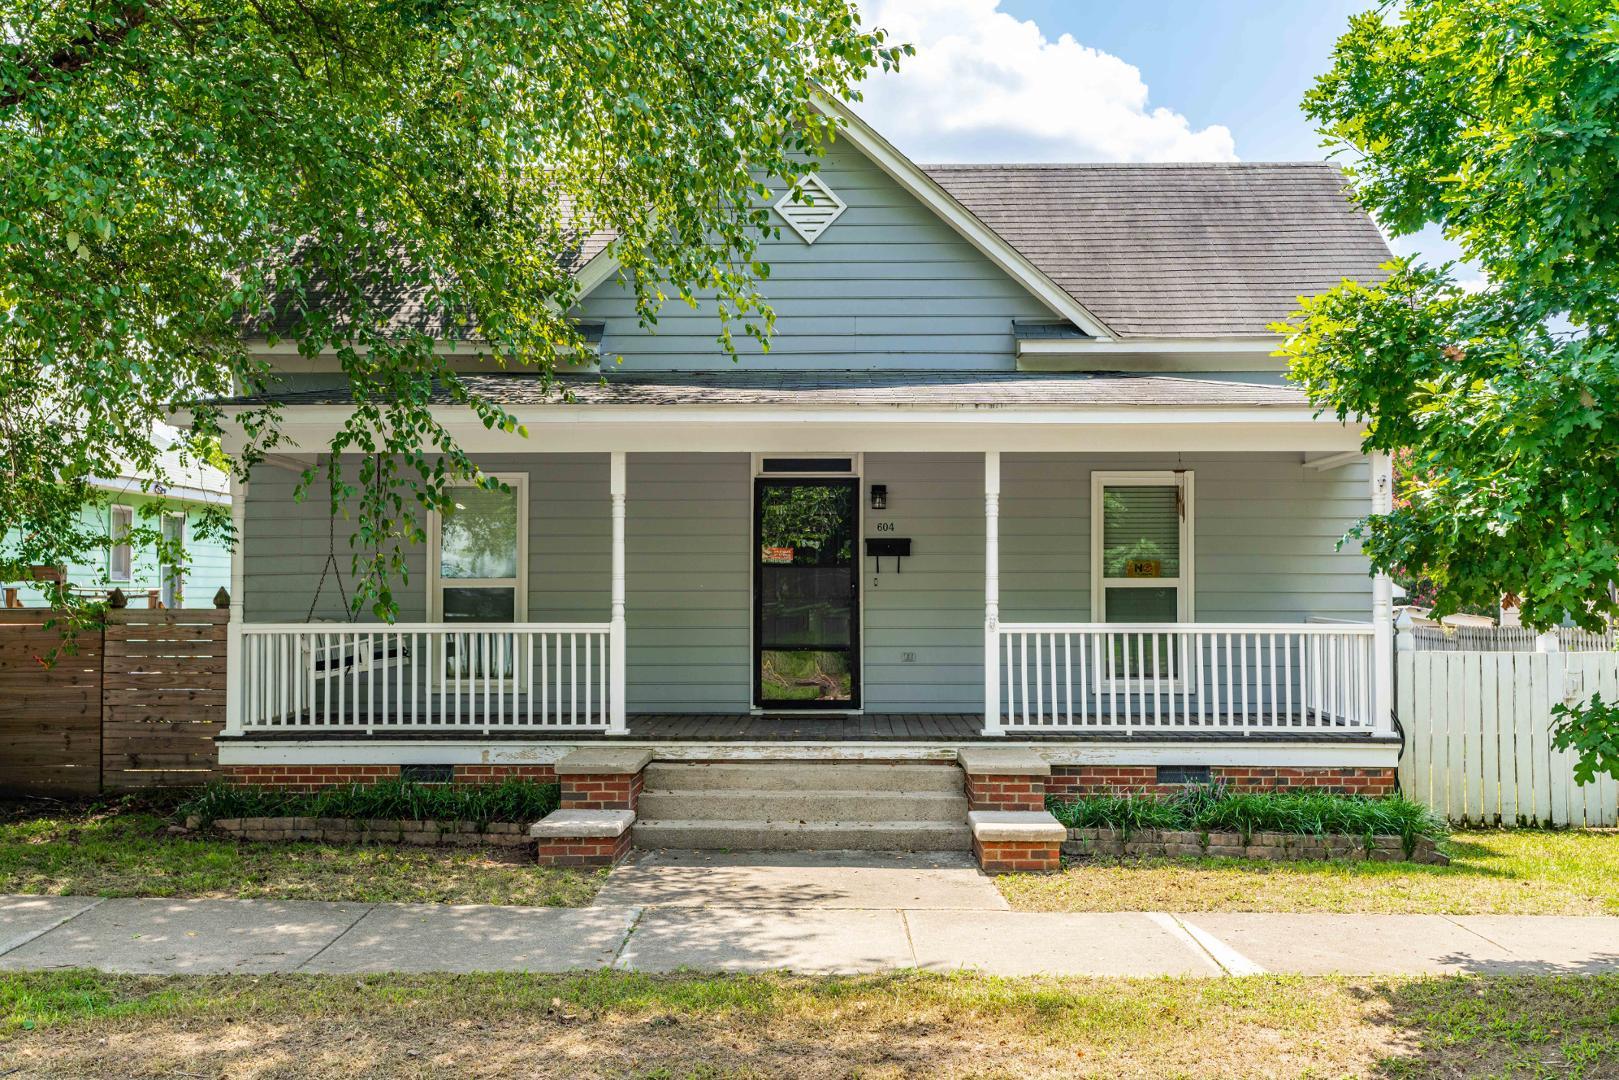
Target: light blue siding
x=1265 y=549
x=888 y=285
x=205 y=572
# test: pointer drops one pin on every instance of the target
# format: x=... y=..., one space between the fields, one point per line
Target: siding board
x=888 y=285
x=1265 y=549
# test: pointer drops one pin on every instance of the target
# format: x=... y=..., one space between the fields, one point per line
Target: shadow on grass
x=1519 y=1025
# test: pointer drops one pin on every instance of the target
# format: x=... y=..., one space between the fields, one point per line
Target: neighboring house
x=130 y=502
x=1020 y=466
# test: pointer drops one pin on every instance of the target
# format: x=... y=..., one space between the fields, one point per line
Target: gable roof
x=1187 y=250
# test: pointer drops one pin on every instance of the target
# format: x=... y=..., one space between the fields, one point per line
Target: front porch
x=1037 y=594
x=1045 y=680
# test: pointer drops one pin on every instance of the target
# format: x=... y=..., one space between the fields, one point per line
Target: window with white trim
x=478 y=555
x=171 y=568
x=120 y=558
x=1141 y=547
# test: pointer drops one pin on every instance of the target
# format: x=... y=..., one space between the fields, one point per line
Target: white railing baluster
x=1155 y=689
x=1067 y=679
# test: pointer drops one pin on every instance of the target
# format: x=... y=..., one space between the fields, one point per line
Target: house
x=175 y=505
x=1020 y=470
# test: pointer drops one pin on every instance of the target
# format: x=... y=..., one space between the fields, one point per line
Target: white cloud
x=984 y=86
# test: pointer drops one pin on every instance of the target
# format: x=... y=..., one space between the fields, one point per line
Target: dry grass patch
x=77 y=1024
x=1506 y=872
x=121 y=851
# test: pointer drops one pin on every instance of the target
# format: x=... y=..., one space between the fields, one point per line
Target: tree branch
x=79 y=52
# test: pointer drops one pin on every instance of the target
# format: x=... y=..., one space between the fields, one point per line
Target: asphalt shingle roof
x=936 y=388
x=1186 y=250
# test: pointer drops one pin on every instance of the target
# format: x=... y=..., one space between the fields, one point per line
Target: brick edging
x=1272 y=846
x=1116 y=779
x=385 y=831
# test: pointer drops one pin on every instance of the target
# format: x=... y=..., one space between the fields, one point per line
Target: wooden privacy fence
x=50 y=716
x=136 y=705
x=1478 y=736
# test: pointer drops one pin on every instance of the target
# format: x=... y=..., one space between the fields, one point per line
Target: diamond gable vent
x=814 y=208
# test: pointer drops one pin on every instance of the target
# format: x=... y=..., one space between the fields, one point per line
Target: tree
x=1498 y=121
x=177 y=171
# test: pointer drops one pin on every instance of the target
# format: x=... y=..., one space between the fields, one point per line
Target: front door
x=806 y=619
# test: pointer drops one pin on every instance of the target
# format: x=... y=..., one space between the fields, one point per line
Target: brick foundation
x=583 y=851
x=494 y=774
x=997 y=791
x=601 y=791
x=1074 y=780
x=305 y=777
x=1345 y=781
x=1017 y=857
x=310 y=777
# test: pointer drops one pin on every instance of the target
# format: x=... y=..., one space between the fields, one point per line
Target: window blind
x=1141 y=524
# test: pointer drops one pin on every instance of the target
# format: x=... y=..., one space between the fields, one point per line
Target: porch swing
x=327 y=660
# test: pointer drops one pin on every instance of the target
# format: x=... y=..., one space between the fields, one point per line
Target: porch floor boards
x=867 y=727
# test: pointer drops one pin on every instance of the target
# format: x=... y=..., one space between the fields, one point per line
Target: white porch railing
x=1127 y=677
x=472 y=677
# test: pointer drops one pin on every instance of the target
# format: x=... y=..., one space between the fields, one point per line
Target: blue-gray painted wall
x=1264 y=545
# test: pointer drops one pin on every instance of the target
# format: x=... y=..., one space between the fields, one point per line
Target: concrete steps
x=792 y=806
x=788 y=806
x=796 y=776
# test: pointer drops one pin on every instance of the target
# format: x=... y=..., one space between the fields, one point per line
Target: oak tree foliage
x=177 y=173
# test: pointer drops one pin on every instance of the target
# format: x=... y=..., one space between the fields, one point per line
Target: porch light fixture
x=879 y=496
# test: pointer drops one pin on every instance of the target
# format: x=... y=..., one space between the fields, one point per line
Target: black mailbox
x=897 y=546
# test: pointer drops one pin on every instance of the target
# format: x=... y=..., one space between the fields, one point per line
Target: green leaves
x=307 y=170
x=1591 y=730
x=1499 y=122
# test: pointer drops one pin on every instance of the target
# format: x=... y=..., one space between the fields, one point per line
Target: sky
x=1105 y=80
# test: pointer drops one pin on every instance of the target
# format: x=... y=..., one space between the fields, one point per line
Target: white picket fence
x=1478 y=736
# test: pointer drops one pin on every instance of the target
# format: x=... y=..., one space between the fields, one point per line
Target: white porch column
x=617 y=724
x=1382 y=483
x=992 y=592
x=234 y=688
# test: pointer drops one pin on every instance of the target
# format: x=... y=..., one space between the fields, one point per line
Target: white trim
x=856 y=464
x=857 y=656
x=234 y=690
x=1333 y=461
x=903 y=171
x=992 y=592
x=1381 y=485
x=1183 y=582
x=799 y=430
x=113 y=543
x=806 y=217
x=618 y=636
x=1260 y=346
x=1239 y=750
x=436 y=585
x=171 y=577
x=1150 y=354
x=601 y=267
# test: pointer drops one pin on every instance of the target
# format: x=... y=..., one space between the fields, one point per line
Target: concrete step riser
x=666 y=776
x=764 y=836
x=829 y=806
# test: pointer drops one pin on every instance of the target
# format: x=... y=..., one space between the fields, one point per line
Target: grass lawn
x=114 y=850
x=76 y=1024
x=1516 y=872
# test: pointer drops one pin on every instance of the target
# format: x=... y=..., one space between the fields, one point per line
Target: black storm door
x=806 y=618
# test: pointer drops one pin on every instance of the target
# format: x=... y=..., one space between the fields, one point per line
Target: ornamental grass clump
x=1215 y=808
x=511 y=800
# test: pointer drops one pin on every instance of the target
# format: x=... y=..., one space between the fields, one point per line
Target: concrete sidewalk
x=197 y=936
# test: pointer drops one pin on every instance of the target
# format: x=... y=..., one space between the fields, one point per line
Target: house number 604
x=885 y=526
